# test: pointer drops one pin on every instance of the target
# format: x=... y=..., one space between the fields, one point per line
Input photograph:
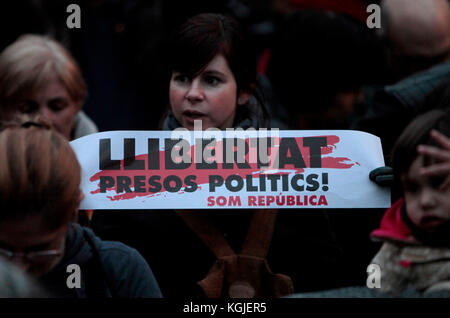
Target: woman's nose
x=45 y=112
x=195 y=92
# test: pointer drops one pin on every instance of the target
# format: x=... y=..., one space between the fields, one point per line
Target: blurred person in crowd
x=40 y=77
x=417 y=33
x=318 y=67
x=317 y=72
x=215 y=253
x=39 y=199
x=439 y=98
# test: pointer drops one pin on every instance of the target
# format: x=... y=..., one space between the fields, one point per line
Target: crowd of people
x=272 y=65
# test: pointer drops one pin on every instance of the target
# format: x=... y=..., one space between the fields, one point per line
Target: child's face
x=427 y=203
x=211 y=96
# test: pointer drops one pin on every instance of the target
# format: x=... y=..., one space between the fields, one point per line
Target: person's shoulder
x=120 y=258
x=125 y=269
x=83 y=125
x=413 y=89
x=115 y=248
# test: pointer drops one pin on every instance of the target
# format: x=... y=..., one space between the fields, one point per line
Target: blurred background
x=323 y=46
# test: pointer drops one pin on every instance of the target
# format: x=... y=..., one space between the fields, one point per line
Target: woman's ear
x=75 y=212
x=80 y=198
x=243 y=97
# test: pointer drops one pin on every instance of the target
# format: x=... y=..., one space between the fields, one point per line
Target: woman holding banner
x=215 y=253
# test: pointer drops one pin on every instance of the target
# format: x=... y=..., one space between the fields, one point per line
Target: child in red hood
x=416 y=229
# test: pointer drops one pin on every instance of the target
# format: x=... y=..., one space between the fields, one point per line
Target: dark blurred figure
x=317 y=71
x=439 y=98
x=318 y=68
x=418 y=35
x=20 y=17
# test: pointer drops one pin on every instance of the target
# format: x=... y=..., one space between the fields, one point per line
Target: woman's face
x=211 y=96
x=29 y=236
x=54 y=102
x=427 y=202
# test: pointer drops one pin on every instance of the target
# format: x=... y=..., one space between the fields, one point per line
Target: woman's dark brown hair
x=196 y=42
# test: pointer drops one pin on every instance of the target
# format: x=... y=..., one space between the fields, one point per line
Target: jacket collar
x=392 y=225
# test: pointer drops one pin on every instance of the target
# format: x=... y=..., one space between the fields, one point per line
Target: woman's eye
x=212 y=80
x=57 y=105
x=182 y=79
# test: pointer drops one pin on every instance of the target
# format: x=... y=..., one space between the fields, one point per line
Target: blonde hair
x=28 y=63
x=39 y=174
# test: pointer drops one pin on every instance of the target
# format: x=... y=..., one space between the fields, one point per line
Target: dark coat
x=303 y=246
x=108 y=269
x=394 y=106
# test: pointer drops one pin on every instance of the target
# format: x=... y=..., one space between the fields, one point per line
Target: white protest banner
x=230 y=169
